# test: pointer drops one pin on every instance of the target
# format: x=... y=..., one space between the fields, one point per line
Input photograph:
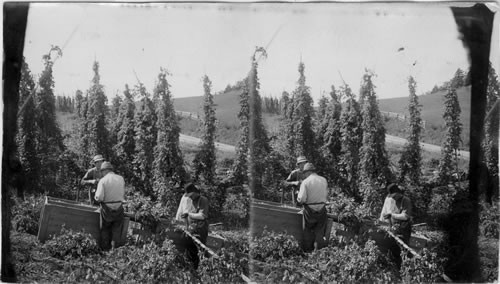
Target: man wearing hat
x=295 y=177
x=111 y=194
x=313 y=195
x=92 y=177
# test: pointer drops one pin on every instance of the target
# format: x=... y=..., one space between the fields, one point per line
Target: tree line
x=139 y=133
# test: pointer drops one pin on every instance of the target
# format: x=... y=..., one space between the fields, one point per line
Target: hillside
x=227 y=106
x=432 y=112
x=432 y=107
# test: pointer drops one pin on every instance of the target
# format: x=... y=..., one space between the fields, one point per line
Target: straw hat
x=97 y=158
x=106 y=166
x=309 y=167
x=301 y=159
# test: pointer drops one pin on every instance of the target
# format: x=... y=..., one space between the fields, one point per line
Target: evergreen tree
x=458 y=79
x=454 y=129
x=241 y=165
x=284 y=142
x=96 y=116
x=374 y=165
x=259 y=148
x=145 y=141
x=84 y=126
x=322 y=119
x=78 y=103
x=253 y=147
x=303 y=119
x=288 y=132
x=114 y=121
x=115 y=107
x=205 y=159
x=322 y=107
x=331 y=140
x=411 y=159
x=168 y=161
x=351 y=142
x=27 y=135
x=490 y=144
x=283 y=103
x=50 y=142
x=124 y=148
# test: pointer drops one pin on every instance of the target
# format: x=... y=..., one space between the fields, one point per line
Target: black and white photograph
x=250 y=142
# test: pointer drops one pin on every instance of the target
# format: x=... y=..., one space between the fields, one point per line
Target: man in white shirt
x=111 y=195
x=313 y=195
x=185 y=206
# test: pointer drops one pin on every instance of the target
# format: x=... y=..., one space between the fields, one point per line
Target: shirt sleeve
x=294 y=176
x=185 y=206
x=179 y=209
x=88 y=176
x=99 y=194
x=302 y=196
x=386 y=208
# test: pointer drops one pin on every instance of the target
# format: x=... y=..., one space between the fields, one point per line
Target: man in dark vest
x=400 y=216
x=313 y=195
x=111 y=194
x=296 y=176
x=197 y=221
x=92 y=177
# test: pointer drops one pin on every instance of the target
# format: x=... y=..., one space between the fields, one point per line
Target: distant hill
x=432 y=106
x=432 y=113
x=227 y=107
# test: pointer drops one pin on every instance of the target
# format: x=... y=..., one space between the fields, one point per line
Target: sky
x=336 y=42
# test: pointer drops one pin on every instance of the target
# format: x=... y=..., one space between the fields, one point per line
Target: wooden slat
x=281 y=208
x=57 y=212
x=73 y=204
x=280 y=220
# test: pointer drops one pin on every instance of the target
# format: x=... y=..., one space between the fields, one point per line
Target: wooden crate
x=280 y=219
x=73 y=215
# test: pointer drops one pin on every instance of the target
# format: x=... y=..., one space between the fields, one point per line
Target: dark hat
x=106 y=166
x=97 y=158
x=190 y=187
x=309 y=167
x=392 y=188
x=301 y=159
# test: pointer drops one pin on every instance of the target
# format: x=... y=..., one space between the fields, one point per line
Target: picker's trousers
x=313 y=227
x=111 y=227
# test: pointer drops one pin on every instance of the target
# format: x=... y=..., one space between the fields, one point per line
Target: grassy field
x=226 y=107
x=432 y=113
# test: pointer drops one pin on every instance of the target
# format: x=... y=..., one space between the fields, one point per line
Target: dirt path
x=426 y=147
x=388 y=139
x=219 y=146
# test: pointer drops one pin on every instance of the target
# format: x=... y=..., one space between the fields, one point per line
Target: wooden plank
x=42 y=228
x=56 y=216
x=280 y=220
x=281 y=208
x=57 y=212
x=72 y=204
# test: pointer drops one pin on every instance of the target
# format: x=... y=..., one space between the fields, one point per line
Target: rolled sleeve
x=99 y=194
x=302 y=196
